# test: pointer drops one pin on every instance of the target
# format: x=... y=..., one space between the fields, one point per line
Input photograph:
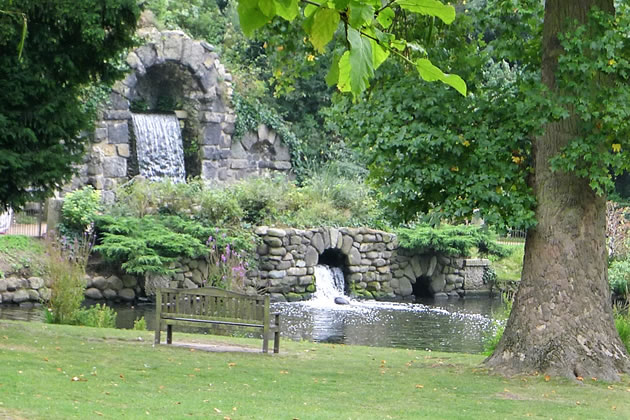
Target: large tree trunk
x=561 y=321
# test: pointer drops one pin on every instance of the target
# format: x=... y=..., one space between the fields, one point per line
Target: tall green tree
x=561 y=323
x=46 y=86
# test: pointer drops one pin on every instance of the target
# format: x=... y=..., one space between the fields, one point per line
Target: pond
x=445 y=325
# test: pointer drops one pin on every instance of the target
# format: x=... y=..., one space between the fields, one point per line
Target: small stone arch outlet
x=373 y=265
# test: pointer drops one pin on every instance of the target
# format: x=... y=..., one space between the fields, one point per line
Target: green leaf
x=431 y=73
x=429 y=8
x=345 y=68
x=379 y=54
x=309 y=9
x=341 y=4
x=268 y=7
x=250 y=16
x=323 y=27
x=356 y=67
x=333 y=73
x=287 y=9
x=360 y=13
x=386 y=17
x=398 y=44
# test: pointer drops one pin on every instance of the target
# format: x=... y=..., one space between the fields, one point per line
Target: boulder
x=99 y=282
x=21 y=296
x=311 y=257
x=114 y=283
x=109 y=294
x=44 y=294
x=340 y=300
x=405 y=286
x=93 y=293
x=127 y=294
x=36 y=283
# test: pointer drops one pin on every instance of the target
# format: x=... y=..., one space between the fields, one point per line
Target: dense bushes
x=326 y=199
x=451 y=240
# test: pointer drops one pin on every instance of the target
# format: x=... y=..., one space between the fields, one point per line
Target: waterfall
x=329 y=283
x=159 y=146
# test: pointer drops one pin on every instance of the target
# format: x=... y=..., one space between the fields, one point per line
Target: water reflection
x=459 y=326
x=448 y=325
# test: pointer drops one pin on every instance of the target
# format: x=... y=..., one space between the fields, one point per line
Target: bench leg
x=276 y=335
x=169 y=334
x=156 y=340
x=265 y=342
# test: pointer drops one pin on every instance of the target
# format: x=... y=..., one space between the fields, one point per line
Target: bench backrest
x=213 y=304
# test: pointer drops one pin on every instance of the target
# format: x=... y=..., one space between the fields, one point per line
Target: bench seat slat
x=206 y=321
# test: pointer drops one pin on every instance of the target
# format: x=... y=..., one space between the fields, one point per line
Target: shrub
x=150 y=244
x=66 y=268
x=263 y=199
x=140 y=324
x=618 y=276
x=226 y=268
x=450 y=240
x=219 y=207
x=622 y=323
x=79 y=210
x=498 y=323
x=99 y=316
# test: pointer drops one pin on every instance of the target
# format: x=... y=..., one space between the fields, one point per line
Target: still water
x=446 y=325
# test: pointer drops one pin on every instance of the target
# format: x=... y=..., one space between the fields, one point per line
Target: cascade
x=329 y=284
x=159 y=146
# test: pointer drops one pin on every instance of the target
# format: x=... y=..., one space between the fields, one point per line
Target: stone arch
x=171 y=66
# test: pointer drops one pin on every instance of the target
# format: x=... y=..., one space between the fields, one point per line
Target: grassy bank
x=61 y=372
x=509 y=268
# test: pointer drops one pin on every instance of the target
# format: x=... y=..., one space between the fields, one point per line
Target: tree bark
x=562 y=322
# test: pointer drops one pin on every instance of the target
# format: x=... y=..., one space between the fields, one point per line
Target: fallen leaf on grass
x=98 y=413
x=547 y=378
x=217 y=410
x=579 y=378
x=231 y=364
x=611 y=387
x=419 y=386
x=5 y=337
x=284 y=372
x=78 y=379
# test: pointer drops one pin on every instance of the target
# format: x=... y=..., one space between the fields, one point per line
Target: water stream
x=159 y=146
x=447 y=325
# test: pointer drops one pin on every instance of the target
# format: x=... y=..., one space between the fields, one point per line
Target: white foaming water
x=159 y=146
x=329 y=284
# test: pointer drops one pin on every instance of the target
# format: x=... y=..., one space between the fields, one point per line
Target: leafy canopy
x=369 y=34
x=46 y=99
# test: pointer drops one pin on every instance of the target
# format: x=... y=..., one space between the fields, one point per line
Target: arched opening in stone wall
x=169 y=88
x=335 y=258
x=421 y=289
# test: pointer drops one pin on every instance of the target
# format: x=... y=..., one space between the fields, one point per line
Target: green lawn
x=61 y=372
x=509 y=268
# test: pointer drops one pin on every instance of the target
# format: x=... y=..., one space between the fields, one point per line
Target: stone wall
x=373 y=264
x=24 y=291
x=190 y=75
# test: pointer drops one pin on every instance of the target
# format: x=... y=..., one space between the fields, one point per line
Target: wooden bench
x=212 y=306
